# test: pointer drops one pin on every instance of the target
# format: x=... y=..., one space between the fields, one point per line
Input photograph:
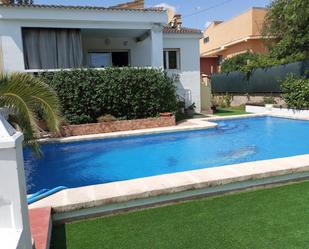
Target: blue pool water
x=101 y=161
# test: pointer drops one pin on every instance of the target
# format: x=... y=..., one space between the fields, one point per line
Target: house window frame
x=166 y=58
x=206 y=39
x=107 y=51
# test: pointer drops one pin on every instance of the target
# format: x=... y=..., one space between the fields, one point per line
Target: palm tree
x=27 y=97
x=22 y=2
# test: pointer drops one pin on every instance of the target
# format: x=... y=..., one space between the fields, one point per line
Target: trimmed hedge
x=126 y=93
x=296 y=92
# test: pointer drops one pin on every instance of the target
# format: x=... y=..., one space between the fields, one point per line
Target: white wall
x=278 y=111
x=14 y=220
x=139 y=52
x=189 y=73
x=156 y=46
x=12 y=47
x=13 y=19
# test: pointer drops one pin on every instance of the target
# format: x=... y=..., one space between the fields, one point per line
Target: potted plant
x=181 y=106
x=269 y=102
x=191 y=109
x=214 y=105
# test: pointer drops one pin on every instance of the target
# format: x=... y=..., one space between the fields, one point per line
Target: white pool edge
x=195 y=124
x=116 y=192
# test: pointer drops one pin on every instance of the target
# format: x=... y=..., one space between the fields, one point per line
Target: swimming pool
x=234 y=141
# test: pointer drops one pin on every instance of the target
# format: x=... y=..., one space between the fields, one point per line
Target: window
x=51 y=48
x=105 y=59
x=100 y=59
x=206 y=39
x=171 y=59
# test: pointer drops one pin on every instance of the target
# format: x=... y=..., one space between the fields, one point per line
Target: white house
x=42 y=37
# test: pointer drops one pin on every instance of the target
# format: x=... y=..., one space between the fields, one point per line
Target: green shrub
x=224 y=101
x=269 y=100
x=125 y=93
x=296 y=92
x=106 y=118
x=247 y=62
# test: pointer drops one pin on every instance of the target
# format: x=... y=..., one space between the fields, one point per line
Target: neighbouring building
x=48 y=37
x=224 y=39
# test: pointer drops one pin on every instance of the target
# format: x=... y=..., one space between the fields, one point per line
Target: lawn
x=230 y=111
x=268 y=218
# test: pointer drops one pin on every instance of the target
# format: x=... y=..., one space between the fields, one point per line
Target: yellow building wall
x=258 y=17
x=247 y=24
x=254 y=46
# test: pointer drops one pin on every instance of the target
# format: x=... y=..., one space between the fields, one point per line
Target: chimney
x=176 y=22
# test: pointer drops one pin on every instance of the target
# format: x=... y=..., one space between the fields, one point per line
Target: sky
x=196 y=13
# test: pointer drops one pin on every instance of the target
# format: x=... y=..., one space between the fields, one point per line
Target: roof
x=136 y=4
x=182 y=30
x=76 y=7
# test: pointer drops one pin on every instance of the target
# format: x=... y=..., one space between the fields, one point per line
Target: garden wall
x=113 y=126
x=284 y=111
x=261 y=80
x=242 y=99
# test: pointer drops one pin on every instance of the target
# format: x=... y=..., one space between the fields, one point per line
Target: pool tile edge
x=117 y=192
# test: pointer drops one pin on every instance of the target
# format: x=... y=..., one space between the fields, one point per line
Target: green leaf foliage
x=27 y=96
x=247 y=62
x=125 y=93
x=288 y=21
x=296 y=92
x=237 y=62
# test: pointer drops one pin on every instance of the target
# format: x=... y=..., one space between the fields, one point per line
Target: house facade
x=52 y=37
x=222 y=40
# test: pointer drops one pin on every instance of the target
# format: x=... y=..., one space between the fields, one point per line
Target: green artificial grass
x=230 y=111
x=267 y=218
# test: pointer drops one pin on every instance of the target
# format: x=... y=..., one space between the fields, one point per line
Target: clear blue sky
x=217 y=9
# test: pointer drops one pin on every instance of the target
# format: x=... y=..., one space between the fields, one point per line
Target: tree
x=237 y=62
x=288 y=20
x=28 y=97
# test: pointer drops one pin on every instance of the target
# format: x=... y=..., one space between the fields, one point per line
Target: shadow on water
x=58 y=239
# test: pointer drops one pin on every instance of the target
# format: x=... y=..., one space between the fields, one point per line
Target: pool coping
x=75 y=199
x=193 y=124
x=95 y=196
x=190 y=125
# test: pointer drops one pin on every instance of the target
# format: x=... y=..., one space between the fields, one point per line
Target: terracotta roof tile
x=182 y=30
x=76 y=7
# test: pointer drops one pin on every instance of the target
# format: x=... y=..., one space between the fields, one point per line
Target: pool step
x=41 y=226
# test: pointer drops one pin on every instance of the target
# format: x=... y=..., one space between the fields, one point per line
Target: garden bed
x=119 y=125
